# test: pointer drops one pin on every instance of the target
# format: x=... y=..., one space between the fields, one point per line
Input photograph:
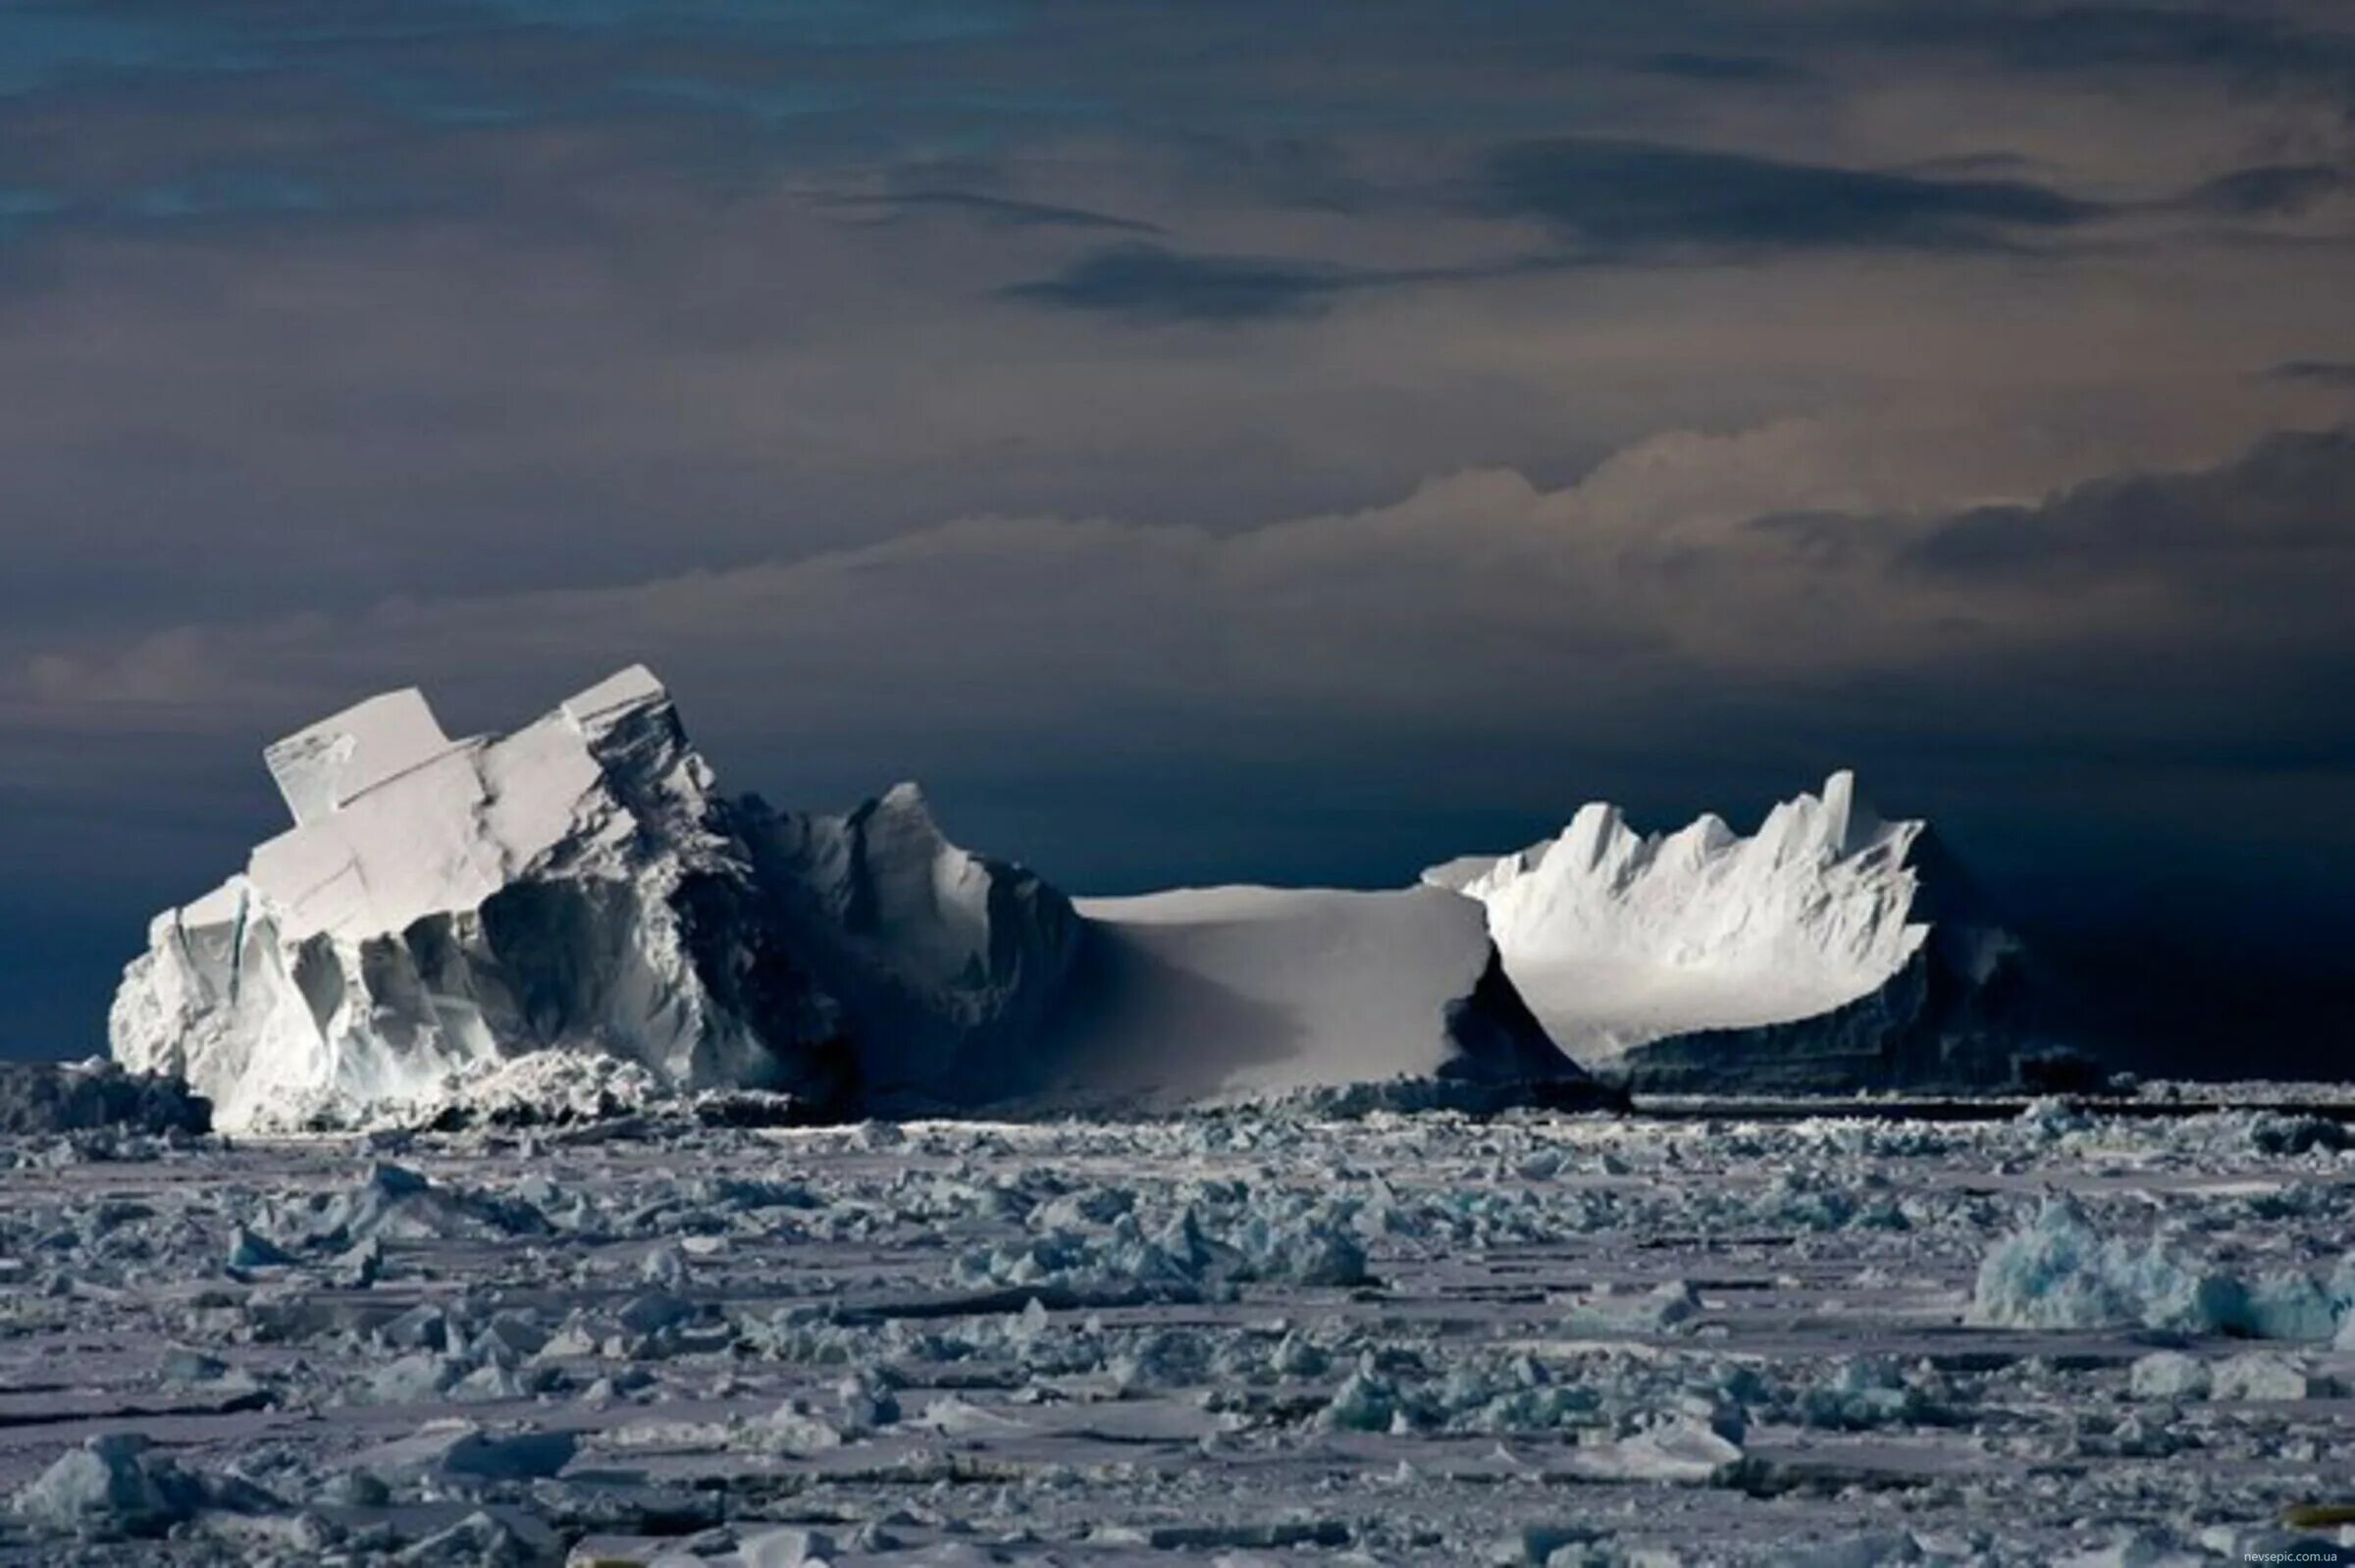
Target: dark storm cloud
x=46 y=44
x=2317 y=372
x=1289 y=174
x=1732 y=70
x=2248 y=44
x=1645 y=197
x=823 y=26
x=1151 y=284
x=1969 y=165
x=199 y=195
x=2268 y=190
x=983 y=207
x=2279 y=516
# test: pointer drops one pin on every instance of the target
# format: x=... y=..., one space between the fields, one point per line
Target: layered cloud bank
x=1796 y=557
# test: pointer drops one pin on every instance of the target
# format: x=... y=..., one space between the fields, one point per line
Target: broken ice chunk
x=2263 y=1374
x=2169 y=1375
x=1656 y=1311
x=464 y=1448
x=117 y=1485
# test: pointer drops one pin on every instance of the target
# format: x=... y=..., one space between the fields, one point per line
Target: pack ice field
x=1235 y=1337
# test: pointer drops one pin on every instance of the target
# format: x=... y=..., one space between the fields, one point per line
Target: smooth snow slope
x=1239 y=992
x=1799 y=954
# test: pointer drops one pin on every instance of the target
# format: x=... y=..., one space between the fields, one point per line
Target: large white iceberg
x=442 y=907
x=1827 y=949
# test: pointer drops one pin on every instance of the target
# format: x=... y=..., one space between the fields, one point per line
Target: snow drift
x=1235 y=992
x=443 y=906
x=1829 y=950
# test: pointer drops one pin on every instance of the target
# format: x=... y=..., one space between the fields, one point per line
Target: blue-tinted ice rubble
x=445 y=912
x=2058 y=1272
x=37 y=1097
x=1396 y=1340
x=119 y=1484
x=1827 y=951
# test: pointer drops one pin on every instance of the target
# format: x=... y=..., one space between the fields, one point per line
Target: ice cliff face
x=1827 y=949
x=440 y=906
x=956 y=961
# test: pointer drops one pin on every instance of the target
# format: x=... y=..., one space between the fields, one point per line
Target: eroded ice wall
x=1829 y=949
x=441 y=905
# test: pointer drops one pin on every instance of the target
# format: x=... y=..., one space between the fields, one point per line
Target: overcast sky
x=1204 y=441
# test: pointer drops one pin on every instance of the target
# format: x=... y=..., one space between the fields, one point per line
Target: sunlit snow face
x=1158 y=428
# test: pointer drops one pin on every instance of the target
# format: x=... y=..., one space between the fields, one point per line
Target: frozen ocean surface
x=1239 y=1339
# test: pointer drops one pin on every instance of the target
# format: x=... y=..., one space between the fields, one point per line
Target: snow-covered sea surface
x=1235 y=1338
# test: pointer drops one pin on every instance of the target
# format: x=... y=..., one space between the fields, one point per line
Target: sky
x=1212 y=441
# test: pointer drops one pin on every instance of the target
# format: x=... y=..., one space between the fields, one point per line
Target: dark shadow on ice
x=1138 y=1029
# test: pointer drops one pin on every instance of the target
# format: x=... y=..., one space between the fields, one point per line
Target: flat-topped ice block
x=633 y=688
x=320 y=767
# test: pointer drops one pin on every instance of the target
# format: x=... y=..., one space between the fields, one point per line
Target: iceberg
x=440 y=906
x=1830 y=949
x=579 y=888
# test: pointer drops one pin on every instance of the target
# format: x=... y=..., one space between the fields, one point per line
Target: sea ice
x=69 y=1097
x=667 y=1339
x=2266 y=1376
x=2060 y=1272
x=119 y=1484
x=2169 y=1375
x=464 y=1448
